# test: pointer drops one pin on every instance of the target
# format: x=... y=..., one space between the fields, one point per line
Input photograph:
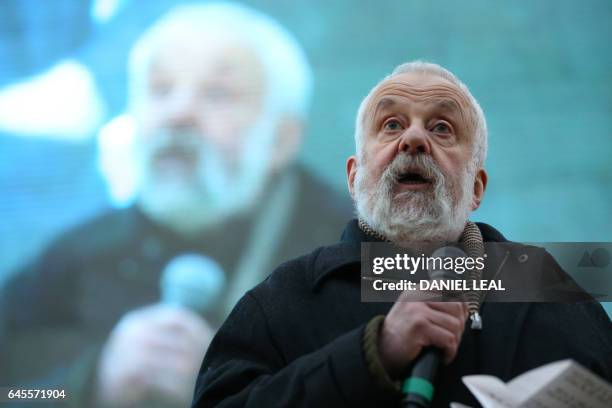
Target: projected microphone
x=192 y=281
x=419 y=387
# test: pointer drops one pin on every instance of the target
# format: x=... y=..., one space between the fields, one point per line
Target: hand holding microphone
x=422 y=332
x=154 y=353
x=411 y=326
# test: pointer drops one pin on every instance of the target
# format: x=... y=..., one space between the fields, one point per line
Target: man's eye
x=217 y=94
x=392 y=125
x=441 y=127
x=160 y=89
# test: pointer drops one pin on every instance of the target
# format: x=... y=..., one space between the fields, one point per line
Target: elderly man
x=303 y=338
x=218 y=100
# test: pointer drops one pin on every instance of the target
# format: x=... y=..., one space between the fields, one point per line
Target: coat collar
x=335 y=258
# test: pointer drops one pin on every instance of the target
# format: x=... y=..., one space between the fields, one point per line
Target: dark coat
x=56 y=313
x=295 y=340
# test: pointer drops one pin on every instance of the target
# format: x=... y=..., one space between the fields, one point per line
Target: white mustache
x=421 y=164
x=174 y=140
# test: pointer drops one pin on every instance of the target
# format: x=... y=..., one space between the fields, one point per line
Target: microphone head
x=193 y=281
x=437 y=271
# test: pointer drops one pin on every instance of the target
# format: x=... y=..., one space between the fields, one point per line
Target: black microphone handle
x=419 y=387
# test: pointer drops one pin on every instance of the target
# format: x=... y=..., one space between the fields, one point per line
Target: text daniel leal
x=443 y=284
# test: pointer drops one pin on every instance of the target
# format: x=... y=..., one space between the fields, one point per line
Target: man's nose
x=414 y=140
x=182 y=112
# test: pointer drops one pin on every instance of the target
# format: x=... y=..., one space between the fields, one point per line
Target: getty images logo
x=598 y=258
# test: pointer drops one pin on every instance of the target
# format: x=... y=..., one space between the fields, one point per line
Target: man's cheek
x=148 y=126
x=371 y=173
x=380 y=162
x=388 y=152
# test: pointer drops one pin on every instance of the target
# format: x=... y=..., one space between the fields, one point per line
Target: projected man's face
x=213 y=91
x=203 y=133
x=414 y=178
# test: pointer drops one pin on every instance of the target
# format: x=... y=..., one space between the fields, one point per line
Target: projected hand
x=153 y=354
x=411 y=326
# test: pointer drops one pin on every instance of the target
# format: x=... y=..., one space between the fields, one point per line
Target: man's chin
x=413 y=217
x=415 y=230
x=173 y=179
x=181 y=206
x=180 y=211
x=418 y=203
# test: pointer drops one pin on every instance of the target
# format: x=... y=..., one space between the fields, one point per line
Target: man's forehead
x=203 y=54
x=439 y=104
x=426 y=88
x=194 y=45
x=232 y=63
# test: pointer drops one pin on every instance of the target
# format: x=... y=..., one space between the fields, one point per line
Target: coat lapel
x=500 y=337
x=503 y=323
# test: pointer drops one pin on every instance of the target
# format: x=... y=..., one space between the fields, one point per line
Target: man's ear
x=288 y=139
x=480 y=185
x=351 y=172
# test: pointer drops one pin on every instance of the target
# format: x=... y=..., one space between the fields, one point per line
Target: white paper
x=458 y=405
x=562 y=384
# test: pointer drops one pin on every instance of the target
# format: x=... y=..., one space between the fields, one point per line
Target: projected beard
x=436 y=214
x=188 y=183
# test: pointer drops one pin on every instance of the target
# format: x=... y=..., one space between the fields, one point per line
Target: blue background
x=541 y=71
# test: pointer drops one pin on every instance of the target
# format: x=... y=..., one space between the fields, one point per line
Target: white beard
x=434 y=215
x=213 y=188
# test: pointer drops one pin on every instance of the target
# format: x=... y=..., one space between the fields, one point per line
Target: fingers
x=177 y=319
x=410 y=326
x=172 y=325
x=162 y=334
x=458 y=309
x=452 y=323
x=176 y=390
x=171 y=333
x=156 y=349
x=443 y=339
x=172 y=364
x=167 y=345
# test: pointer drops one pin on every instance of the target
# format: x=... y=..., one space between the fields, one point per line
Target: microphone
x=193 y=281
x=419 y=388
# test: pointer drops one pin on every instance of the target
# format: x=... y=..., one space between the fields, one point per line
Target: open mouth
x=413 y=177
x=175 y=157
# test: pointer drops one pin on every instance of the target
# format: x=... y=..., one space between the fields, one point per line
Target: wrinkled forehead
x=423 y=88
x=200 y=52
